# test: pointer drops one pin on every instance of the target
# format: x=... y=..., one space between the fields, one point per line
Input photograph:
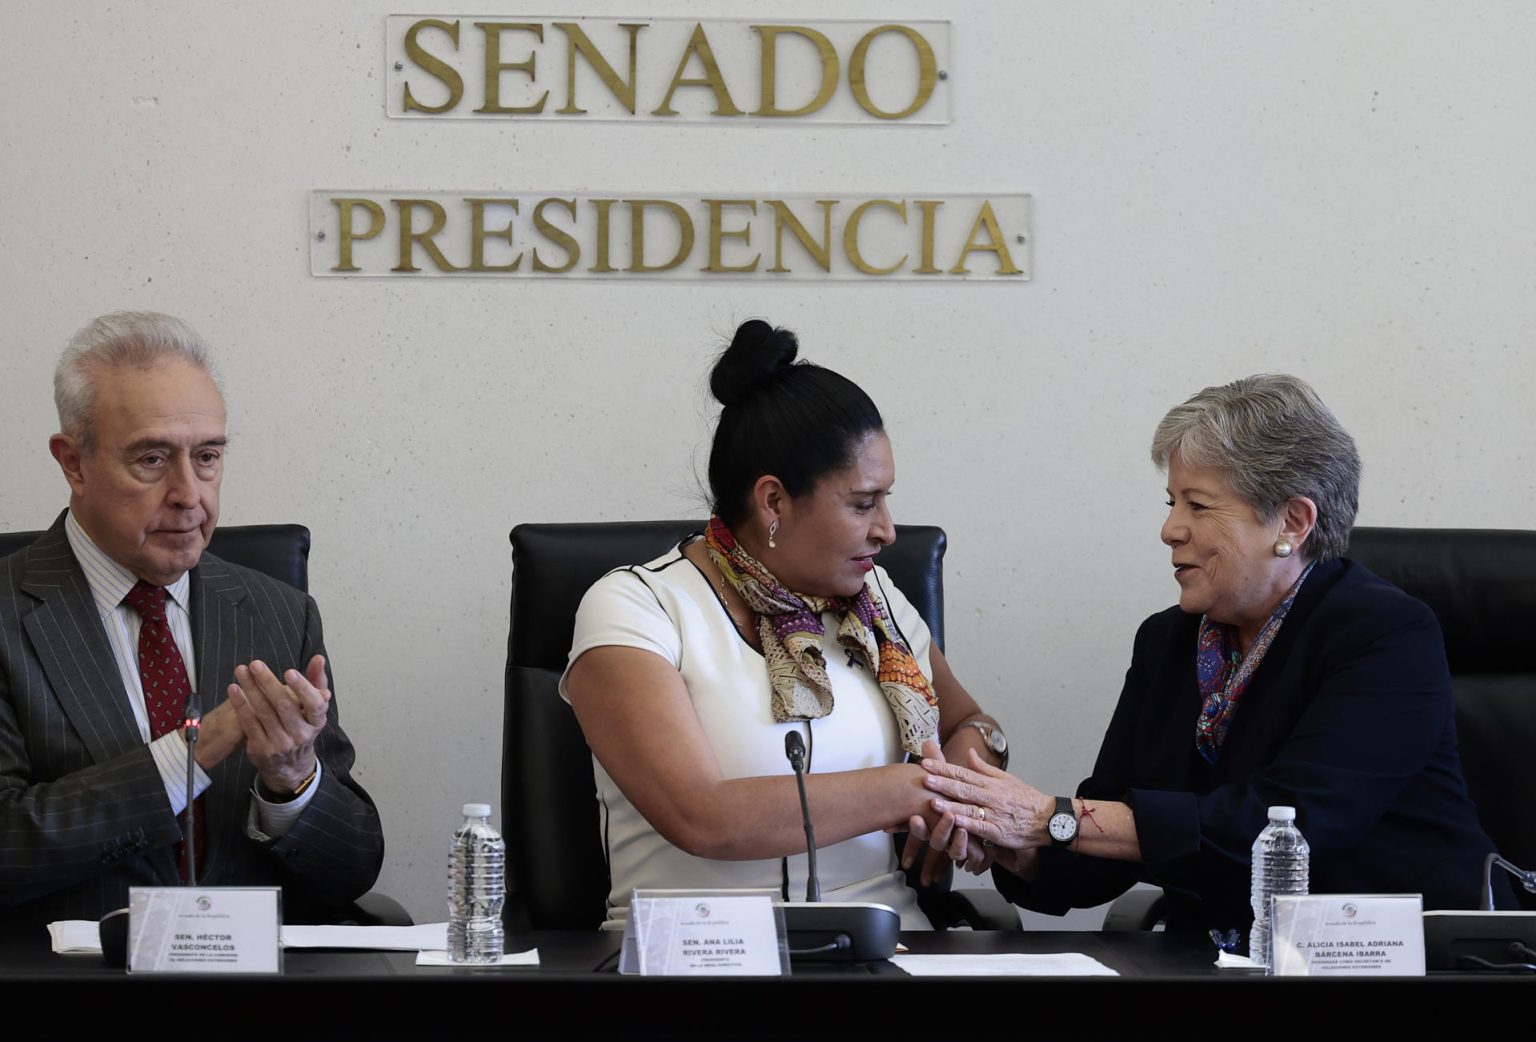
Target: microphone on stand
x=112 y=928
x=834 y=930
x=794 y=748
x=1486 y=939
x=191 y=726
x=1527 y=879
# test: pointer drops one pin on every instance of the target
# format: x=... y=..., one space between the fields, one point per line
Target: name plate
x=1355 y=935
x=718 y=933
x=210 y=929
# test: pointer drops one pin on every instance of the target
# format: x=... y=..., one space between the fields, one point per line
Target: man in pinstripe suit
x=88 y=798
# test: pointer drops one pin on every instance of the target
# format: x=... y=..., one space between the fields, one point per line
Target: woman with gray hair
x=1286 y=675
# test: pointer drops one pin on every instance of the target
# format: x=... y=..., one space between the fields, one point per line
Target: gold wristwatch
x=994 y=737
x=287 y=797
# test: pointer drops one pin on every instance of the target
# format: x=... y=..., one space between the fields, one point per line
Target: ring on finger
x=981 y=814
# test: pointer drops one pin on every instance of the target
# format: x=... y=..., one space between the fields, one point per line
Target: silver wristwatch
x=994 y=737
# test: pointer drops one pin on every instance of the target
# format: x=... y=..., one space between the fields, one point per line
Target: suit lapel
x=71 y=646
x=1280 y=689
x=221 y=630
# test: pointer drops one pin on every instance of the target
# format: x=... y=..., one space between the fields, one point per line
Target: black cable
x=1503 y=967
x=841 y=943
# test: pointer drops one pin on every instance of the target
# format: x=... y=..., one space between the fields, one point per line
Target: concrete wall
x=1342 y=191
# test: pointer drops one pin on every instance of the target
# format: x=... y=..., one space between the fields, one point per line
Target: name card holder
x=1348 y=935
x=708 y=933
x=205 y=929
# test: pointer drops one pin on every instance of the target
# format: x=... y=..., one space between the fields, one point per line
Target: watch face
x=1062 y=827
x=998 y=742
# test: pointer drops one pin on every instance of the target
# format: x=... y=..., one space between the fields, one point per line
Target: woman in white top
x=687 y=672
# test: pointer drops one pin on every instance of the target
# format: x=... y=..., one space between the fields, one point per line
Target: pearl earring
x=773 y=528
x=1283 y=547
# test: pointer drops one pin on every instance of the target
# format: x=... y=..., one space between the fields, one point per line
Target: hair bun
x=757 y=352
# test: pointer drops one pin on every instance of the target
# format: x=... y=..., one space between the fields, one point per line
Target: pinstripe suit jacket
x=83 y=811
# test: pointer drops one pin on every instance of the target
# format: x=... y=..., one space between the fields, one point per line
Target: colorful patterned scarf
x=791 y=630
x=1224 y=672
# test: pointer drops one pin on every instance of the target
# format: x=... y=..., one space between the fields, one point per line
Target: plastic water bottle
x=477 y=887
x=1280 y=864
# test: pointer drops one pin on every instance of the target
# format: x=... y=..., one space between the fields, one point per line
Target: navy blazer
x=1349 y=718
x=83 y=810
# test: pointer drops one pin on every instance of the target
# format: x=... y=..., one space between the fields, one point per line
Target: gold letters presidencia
x=975 y=237
x=669 y=70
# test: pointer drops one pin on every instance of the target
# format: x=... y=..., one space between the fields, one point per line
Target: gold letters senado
x=666 y=70
x=613 y=235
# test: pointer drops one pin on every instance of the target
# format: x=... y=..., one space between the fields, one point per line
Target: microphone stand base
x=1493 y=937
x=840 y=931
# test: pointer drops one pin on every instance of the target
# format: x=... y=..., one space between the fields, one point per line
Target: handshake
x=975 y=816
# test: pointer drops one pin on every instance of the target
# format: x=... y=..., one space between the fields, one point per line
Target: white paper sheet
x=75 y=937
x=1065 y=964
x=421 y=937
x=527 y=958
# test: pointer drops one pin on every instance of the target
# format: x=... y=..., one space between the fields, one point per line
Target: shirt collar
x=108 y=580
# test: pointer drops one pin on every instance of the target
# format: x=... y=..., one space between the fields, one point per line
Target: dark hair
x=794 y=420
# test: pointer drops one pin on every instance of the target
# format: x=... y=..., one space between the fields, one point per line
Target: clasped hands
x=979 y=815
x=276 y=719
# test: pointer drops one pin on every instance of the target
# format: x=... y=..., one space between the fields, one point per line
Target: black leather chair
x=1481 y=585
x=558 y=876
x=281 y=551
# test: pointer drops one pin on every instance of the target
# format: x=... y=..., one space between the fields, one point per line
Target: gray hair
x=121 y=340
x=1271 y=438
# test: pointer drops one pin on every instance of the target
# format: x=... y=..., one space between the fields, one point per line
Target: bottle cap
x=483 y=810
x=1280 y=814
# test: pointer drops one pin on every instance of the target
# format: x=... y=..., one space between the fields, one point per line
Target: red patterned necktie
x=163 y=674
